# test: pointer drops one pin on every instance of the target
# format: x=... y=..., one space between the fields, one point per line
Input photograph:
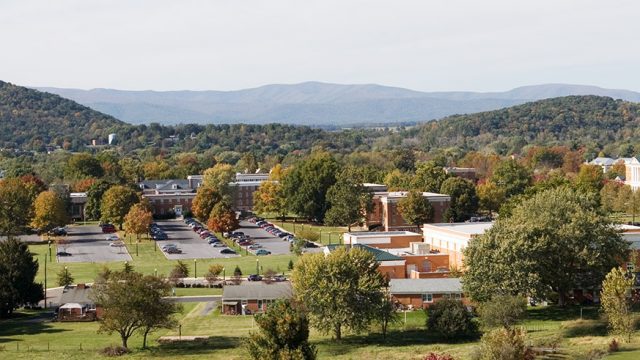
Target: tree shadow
x=557 y=313
x=580 y=328
x=27 y=324
x=195 y=347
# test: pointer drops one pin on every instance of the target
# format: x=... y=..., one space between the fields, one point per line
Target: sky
x=428 y=45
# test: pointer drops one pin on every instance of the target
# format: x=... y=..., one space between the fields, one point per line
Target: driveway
x=188 y=241
x=276 y=245
x=87 y=243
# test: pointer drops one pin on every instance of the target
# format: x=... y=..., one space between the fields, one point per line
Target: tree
x=18 y=270
x=116 y=203
x=82 y=166
x=49 y=211
x=404 y=159
x=397 y=180
x=490 y=196
x=138 y=220
x=64 y=277
x=503 y=310
x=387 y=314
x=616 y=294
x=512 y=177
x=306 y=185
x=213 y=273
x=218 y=177
x=132 y=302
x=94 y=198
x=283 y=333
x=590 y=178
x=348 y=202
x=528 y=252
x=429 y=177
x=415 y=209
x=450 y=319
x=342 y=289
x=464 y=201
x=609 y=196
x=269 y=198
x=204 y=201
x=15 y=206
x=223 y=218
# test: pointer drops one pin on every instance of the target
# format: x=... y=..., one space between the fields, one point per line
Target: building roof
x=379 y=254
x=421 y=286
x=472 y=228
x=76 y=294
x=168 y=185
x=258 y=291
x=381 y=233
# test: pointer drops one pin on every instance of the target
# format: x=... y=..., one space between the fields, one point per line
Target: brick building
x=422 y=293
x=253 y=296
x=452 y=238
x=385 y=214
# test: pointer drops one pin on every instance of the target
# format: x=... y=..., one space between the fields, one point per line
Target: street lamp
x=195 y=268
x=257 y=266
x=49 y=252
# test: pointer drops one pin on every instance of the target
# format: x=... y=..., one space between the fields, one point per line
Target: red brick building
x=422 y=293
x=385 y=212
x=253 y=296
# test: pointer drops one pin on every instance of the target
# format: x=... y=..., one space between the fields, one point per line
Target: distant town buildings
x=632 y=169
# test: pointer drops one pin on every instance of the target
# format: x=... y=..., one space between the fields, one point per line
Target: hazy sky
x=214 y=44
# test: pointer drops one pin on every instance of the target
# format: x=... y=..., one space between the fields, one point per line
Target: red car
x=108 y=228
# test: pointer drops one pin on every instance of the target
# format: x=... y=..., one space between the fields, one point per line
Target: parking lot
x=87 y=244
x=268 y=242
x=192 y=246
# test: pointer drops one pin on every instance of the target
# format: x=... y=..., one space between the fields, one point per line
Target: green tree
x=138 y=220
x=404 y=159
x=15 y=206
x=18 y=270
x=526 y=253
x=179 y=271
x=237 y=271
x=609 y=196
x=64 y=277
x=451 y=320
x=116 y=203
x=132 y=302
x=616 y=297
x=415 y=209
x=204 y=201
x=306 y=185
x=512 y=177
x=283 y=333
x=218 y=177
x=82 y=166
x=490 y=196
x=397 y=180
x=387 y=314
x=342 y=289
x=348 y=201
x=503 y=310
x=429 y=177
x=223 y=218
x=464 y=201
x=49 y=211
x=504 y=344
x=590 y=178
x=94 y=198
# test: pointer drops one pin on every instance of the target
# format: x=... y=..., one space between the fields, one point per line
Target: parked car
x=59 y=231
x=254 y=247
x=309 y=244
x=166 y=246
x=227 y=251
x=63 y=253
x=112 y=237
x=218 y=244
x=254 y=277
x=263 y=252
x=117 y=244
x=279 y=278
x=213 y=241
x=173 y=251
x=108 y=228
x=204 y=234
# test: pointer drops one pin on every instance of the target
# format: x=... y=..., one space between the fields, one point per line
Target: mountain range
x=314 y=103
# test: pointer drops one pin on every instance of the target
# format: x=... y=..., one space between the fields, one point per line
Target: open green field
x=27 y=337
x=149 y=260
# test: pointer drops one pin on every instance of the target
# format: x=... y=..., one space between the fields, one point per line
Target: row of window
x=428 y=297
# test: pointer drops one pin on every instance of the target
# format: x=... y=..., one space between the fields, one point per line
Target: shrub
x=503 y=310
x=114 y=350
x=434 y=356
x=614 y=346
x=505 y=344
x=451 y=320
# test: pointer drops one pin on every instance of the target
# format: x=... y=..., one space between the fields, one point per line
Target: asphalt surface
x=87 y=243
x=188 y=241
x=268 y=242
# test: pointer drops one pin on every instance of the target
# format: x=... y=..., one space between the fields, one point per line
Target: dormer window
x=174 y=186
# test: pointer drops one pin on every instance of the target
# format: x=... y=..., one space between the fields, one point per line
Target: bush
x=114 y=350
x=451 y=320
x=434 y=356
x=503 y=310
x=614 y=346
x=504 y=344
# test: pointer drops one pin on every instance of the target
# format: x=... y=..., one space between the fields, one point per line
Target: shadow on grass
x=194 y=347
x=556 y=313
x=27 y=323
x=393 y=339
x=581 y=328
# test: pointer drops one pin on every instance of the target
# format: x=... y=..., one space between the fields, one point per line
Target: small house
x=251 y=297
x=76 y=304
x=421 y=293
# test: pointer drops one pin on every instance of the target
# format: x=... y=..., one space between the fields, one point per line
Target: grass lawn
x=328 y=234
x=26 y=338
x=149 y=260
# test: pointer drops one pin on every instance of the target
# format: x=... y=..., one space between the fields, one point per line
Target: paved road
x=87 y=243
x=269 y=242
x=188 y=241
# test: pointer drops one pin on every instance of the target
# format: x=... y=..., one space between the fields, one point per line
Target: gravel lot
x=87 y=244
x=276 y=245
x=188 y=241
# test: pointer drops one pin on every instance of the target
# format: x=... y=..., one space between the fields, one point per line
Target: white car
x=117 y=244
x=112 y=237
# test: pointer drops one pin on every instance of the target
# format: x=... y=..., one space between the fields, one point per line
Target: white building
x=452 y=238
x=632 y=169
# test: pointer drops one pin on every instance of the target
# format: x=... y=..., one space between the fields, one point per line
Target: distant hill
x=592 y=121
x=32 y=119
x=313 y=103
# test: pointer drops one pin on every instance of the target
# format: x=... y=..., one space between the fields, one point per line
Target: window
x=259 y=304
x=427 y=298
x=455 y=296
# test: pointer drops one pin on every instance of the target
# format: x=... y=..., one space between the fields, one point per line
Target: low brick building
x=76 y=304
x=422 y=293
x=253 y=296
